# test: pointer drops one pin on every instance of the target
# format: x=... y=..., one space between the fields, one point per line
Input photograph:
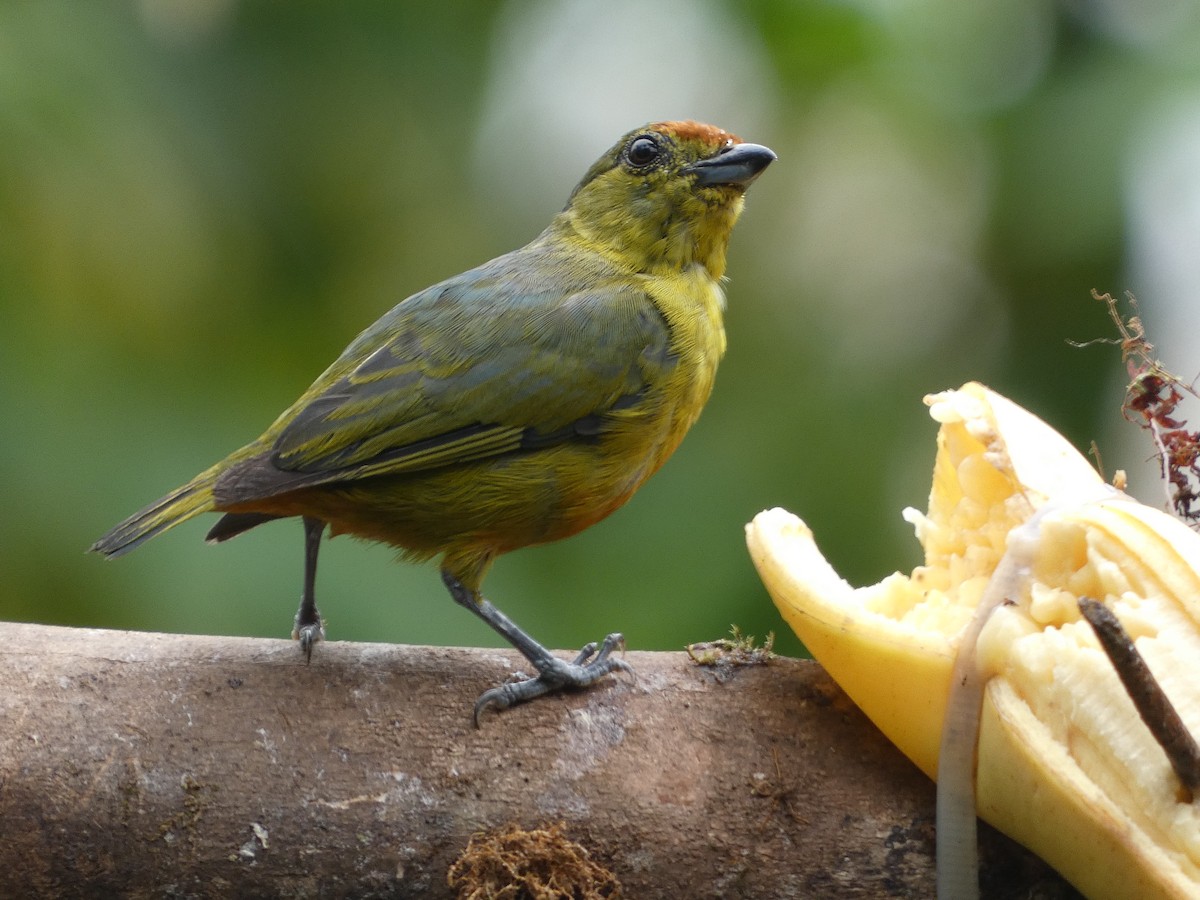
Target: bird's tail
x=178 y=506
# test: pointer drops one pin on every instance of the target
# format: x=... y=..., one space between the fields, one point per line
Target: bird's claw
x=589 y=650
x=308 y=634
x=589 y=666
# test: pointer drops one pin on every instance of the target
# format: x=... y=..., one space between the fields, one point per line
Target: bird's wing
x=484 y=364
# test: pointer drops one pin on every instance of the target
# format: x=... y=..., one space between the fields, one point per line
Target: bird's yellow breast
x=693 y=305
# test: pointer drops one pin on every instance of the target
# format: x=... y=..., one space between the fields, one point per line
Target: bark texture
x=151 y=765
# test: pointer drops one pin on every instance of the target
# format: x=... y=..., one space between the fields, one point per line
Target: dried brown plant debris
x=736 y=650
x=513 y=863
x=1151 y=401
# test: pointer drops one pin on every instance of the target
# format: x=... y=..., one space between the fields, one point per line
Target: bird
x=517 y=403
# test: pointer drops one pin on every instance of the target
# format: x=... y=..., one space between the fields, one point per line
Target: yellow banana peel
x=1065 y=765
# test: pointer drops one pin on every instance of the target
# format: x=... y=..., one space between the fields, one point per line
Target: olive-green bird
x=514 y=404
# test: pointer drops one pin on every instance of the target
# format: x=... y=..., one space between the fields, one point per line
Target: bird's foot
x=308 y=633
x=554 y=674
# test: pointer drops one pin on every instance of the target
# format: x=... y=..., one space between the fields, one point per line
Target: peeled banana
x=1020 y=521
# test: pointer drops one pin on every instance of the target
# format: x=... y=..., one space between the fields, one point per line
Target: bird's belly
x=500 y=504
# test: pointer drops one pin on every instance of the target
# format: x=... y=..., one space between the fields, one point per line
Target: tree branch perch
x=149 y=765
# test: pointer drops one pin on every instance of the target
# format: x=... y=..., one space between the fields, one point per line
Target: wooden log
x=153 y=765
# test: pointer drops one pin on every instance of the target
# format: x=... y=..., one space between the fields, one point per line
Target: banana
x=1019 y=521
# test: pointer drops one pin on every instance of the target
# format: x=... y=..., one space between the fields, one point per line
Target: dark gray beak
x=738 y=165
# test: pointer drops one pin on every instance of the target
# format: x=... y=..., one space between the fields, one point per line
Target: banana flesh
x=1065 y=765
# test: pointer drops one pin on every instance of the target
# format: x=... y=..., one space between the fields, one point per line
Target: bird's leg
x=307 y=628
x=554 y=674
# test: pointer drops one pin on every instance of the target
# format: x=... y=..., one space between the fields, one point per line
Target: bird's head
x=666 y=196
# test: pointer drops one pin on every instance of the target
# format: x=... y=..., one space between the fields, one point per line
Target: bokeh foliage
x=203 y=201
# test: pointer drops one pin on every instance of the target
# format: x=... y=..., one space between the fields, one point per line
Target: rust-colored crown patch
x=689 y=130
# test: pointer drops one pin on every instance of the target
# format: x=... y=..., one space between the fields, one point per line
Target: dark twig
x=1152 y=703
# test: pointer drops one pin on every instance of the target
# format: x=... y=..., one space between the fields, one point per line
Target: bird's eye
x=642 y=151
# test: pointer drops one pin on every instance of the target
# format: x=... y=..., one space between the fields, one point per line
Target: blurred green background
x=203 y=201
